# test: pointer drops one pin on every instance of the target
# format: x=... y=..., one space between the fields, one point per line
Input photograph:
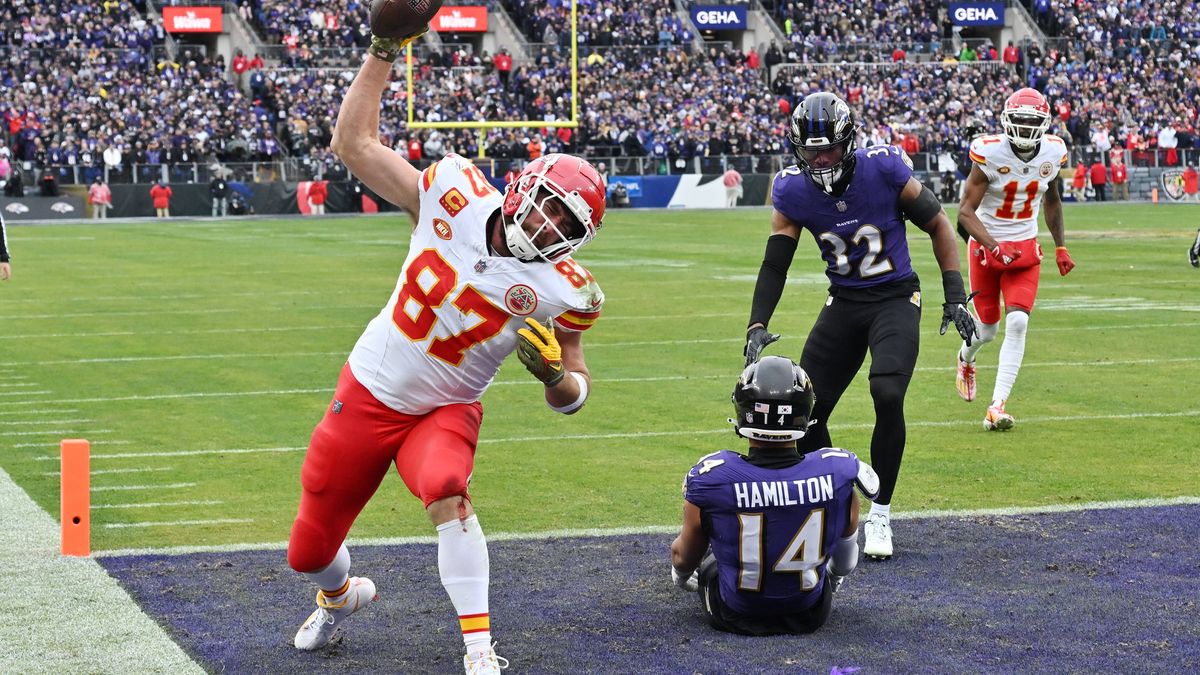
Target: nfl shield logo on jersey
x=841 y=206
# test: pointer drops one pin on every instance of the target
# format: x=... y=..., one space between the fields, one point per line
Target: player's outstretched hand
x=958 y=313
x=538 y=349
x=757 y=338
x=1063 y=259
x=689 y=584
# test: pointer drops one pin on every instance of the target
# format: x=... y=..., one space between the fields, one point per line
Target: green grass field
x=198 y=355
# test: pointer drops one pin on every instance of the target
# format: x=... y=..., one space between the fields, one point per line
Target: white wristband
x=577 y=403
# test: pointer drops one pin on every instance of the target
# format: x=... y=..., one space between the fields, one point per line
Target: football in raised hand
x=402 y=18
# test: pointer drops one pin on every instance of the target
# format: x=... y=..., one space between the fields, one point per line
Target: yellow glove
x=538 y=349
x=388 y=49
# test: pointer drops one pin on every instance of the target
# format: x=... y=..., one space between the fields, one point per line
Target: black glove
x=757 y=339
x=961 y=316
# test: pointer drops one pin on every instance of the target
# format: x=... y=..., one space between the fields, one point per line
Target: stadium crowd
x=85 y=90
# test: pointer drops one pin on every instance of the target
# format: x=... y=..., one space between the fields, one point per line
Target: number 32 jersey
x=1009 y=208
x=454 y=315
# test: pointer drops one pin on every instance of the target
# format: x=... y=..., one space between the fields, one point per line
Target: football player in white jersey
x=1012 y=174
x=487 y=273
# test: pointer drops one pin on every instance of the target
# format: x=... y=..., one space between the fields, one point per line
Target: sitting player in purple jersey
x=783 y=526
x=854 y=203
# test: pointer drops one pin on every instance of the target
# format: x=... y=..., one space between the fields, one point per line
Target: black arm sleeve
x=771 y=277
x=922 y=209
x=952 y=287
x=3 y=241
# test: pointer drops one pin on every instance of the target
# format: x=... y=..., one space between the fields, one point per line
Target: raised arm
x=356 y=139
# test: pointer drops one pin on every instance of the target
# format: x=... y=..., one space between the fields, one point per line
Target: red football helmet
x=575 y=184
x=1025 y=118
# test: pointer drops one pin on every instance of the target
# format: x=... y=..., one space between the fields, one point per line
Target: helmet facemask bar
x=1024 y=126
x=537 y=192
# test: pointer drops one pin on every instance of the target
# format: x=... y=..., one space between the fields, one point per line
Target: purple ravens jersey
x=861 y=232
x=772 y=530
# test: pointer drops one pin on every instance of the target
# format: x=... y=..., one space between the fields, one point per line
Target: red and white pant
x=1018 y=282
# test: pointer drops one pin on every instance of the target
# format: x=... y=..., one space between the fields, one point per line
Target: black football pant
x=840 y=339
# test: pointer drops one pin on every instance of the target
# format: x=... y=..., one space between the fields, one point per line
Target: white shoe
x=877 y=536
x=998 y=420
x=320 y=626
x=484 y=662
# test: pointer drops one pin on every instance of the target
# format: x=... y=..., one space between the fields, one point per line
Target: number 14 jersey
x=454 y=315
x=1009 y=209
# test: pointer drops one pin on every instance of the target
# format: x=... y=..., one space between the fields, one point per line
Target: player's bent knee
x=309 y=547
x=888 y=391
x=1016 y=323
x=988 y=331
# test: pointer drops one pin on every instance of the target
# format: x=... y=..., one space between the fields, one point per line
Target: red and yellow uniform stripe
x=427 y=177
x=976 y=157
x=577 y=321
x=474 y=623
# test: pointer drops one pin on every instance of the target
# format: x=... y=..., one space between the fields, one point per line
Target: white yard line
x=155 y=505
x=67 y=615
x=122 y=488
x=178 y=523
x=99 y=472
x=638 y=434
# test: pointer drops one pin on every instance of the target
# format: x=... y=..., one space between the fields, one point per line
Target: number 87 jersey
x=1009 y=209
x=454 y=314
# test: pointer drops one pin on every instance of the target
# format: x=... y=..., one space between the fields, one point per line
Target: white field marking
x=29 y=422
x=14 y=385
x=182 y=453
x=531 y=382
x=182 y=357
x=183 y=296
x=122 y=488
x=56 y=445
x=160 y=312
x=164 y=397
x=283 y=329
x=92 y=625
x=651 y=529
x=43 y=432
x=23 y=393
x=643 y=434
x=98 y=472
x=154 y=505
x=180 y=523
x=39 y=412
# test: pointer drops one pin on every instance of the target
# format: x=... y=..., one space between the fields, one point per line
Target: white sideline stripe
x=92 y=625
x=154 y=505
x=178 y=523
x=59 y=432
x=525 y=381
x=23 y=423
x=639 y=434
x=56 y=445
x=39 y=412
x=160 y=312
x=270 y=329
x=181 y=453
x=653 y=529
x=98 y=472
x=122 y=488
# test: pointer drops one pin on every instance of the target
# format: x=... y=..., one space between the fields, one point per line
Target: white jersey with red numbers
x=454 y=315
x=1009 y=209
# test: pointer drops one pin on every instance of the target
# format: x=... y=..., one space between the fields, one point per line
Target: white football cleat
x=997 y=419
x=877 y=537
x=320 y=626
x=484 y=662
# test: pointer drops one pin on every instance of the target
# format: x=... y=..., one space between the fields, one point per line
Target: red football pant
x=1018 y=282
x=351 y=451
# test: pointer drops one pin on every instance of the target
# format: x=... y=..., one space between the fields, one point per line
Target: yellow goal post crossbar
x=483 y=126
